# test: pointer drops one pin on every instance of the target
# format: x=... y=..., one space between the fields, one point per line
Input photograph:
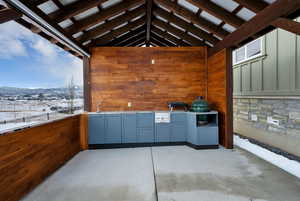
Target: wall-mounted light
x=152 y=61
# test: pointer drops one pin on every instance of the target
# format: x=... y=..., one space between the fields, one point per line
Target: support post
x=86 y=84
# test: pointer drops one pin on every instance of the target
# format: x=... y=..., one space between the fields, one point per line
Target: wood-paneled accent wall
x=219 y=87
x=119 y=75
x=28 y=156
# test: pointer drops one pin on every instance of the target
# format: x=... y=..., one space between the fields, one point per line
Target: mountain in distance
x=11 y=91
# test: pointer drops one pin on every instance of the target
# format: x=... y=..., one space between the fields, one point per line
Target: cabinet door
x=129 y=128
x=113 y=129
x=145 y=120
x=208 y=135
x=178 y=132
x=96 y=129
x=192 y=128
x=145 y=135
x=163 y=132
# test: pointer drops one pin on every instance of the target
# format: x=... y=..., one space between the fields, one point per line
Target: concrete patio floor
x=175 y=173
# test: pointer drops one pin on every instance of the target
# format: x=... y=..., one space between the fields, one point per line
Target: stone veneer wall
x=275 y=122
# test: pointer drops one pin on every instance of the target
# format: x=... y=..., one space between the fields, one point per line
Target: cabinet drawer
x=178 y=117
x=208 y=135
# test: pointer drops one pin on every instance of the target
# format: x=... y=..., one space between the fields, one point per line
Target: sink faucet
x=98 y=107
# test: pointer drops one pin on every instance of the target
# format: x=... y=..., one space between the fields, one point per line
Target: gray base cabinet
x=129 y=128
x=126 y=128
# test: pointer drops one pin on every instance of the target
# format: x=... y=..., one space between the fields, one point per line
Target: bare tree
x=71 y=95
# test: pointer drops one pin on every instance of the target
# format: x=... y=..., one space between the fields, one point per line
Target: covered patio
x=138 y=57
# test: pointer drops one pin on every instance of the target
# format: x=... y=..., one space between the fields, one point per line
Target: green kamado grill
x=200 y=105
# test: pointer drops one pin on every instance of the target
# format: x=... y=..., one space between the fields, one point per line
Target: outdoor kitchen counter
x=149 y=128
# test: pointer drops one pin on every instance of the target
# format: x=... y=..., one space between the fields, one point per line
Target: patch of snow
x=290 y=166
x=14 y=126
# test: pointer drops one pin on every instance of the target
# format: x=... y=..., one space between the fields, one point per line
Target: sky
x=29 y=61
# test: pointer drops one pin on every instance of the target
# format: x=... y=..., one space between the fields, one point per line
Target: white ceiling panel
x=110 y=3
x=188 y=6
x=48 y=7
x=210 y=18
x=162 y=19
x=65 y=23
x=179 y=16
x=229 y=28
x=245 y=14
x=94 y=26
x=87 y=13
x=269 y=1
x=66 y=2
x=115 y=16
x=228 y=4
x=178 y=27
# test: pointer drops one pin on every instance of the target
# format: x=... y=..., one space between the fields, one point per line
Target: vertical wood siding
x=277 y=72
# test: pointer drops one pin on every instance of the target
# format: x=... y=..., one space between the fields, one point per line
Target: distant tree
x=41 y=96
x=71 y=95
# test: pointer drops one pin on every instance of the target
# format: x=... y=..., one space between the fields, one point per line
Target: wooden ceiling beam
x=138 y=43
x=259 y=22
x=283 y=23
x=218 y=12
x=149 y=18
x=73 y=9
x=288 y=25
x=132 y=40
x=93 y=33
x=127 y=36
x=194 y=18
x=46 y=18
x=185 y=25
x=170 y=37
x=180 y=34
x=162 y=40
x=117 y=32
x=103 y=15
x=8 y=14
x=158 y=43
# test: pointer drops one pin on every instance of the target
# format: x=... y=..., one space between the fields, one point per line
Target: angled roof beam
x=74 y=9
x=162 y=40
x=283 y=23
x=132 y=40
x=127 y=36
x=262 y=20
x=158 y=43
x=149 y=17
x=153 y=44
x=111 y=24
x=102 y=16
x=180 y=34
x=8 y=14
x=194 y=18
x=138 y=43
x=218 y=12
x=169 y=37
x=185 y=25
x=117 y=32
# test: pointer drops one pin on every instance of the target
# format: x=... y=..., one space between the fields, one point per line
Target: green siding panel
x=237 y=80
x=256 y=80
x=246 y=74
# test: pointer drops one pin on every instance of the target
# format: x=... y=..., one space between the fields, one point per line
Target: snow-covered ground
x=291 y=166
x=10 y=126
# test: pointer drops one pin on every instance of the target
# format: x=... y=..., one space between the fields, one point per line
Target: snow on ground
x=290 y=166
x=11 y=126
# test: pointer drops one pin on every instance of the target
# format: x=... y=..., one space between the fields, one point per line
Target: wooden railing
x=28 y=156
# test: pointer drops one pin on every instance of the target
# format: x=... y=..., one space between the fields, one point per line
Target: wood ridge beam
x=149 y=17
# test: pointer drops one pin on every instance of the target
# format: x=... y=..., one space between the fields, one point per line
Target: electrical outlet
x=129 y=104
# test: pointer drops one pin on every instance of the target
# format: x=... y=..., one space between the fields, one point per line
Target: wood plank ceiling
x=150 y=22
